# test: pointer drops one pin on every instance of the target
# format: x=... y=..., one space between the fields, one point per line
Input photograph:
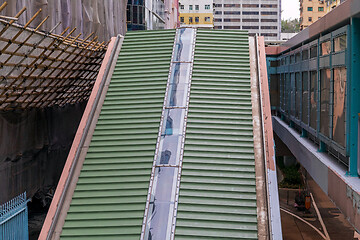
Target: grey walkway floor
x=335 y=222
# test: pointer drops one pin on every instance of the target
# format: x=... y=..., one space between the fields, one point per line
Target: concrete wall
x=34 y=147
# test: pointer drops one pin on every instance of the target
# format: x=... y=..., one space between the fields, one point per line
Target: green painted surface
x=217 y=191
x=110 y=196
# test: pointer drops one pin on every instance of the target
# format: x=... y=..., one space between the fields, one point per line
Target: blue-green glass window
x=325 y=75
x=313 y=99
x=305 y=97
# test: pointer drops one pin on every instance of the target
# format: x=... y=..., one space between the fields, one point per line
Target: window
x=190 y=19
x=292 y=94
x=305 y=54
x=250 y=13
x=292 y=59
x=196 y=19
x=339 y=126
x=218 y=12
x=207 y=19
x=320 y=9
x=218 y=20
x=324 y=101
x=207 y=7
x=325 y=48
x=298 y=93
x=268 y=27
x=190 y=7
x=313 y=51
x=282 y=79
x=287 y=92
x=232 y=5
x=250 y=27
x=196 y=7
x=310 y=9
x=218 y=5
x=231 y=27
x=182 y=19
x=269 y=5
x=231 y=13
x=250 y=20
x=182 y=7
x=305 y=97
x=268 y=20
x=340 y=43
x=268 y=13
x=275 y=63
x=310 y=19
x=231 y=20
x=250 y=5
x=313 y=99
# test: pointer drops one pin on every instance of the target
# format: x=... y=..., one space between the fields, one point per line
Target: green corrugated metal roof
x=110 y=196
x=217 y=190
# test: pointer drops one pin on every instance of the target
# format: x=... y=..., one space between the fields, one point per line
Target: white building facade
x=261 y=17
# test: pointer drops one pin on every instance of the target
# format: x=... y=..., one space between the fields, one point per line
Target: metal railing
x=14 y=219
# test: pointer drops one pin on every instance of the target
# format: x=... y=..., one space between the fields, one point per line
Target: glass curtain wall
x=339 y=122
x=313 y=99
x=325 y=75
x=298 y=95
x=305 y=97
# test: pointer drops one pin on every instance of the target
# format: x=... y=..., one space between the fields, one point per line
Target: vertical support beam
x=322 y=147
x=347 y=99
x=304 y=133
x=354 y=92
x=318 y=90
x=331 y=100
x=292 y=124
x=309 y=96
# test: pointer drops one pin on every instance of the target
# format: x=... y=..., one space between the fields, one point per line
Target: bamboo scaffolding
x=56 y=69
x=75 y=70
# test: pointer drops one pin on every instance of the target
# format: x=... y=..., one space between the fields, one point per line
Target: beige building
x=331 y=4
x=310 y=12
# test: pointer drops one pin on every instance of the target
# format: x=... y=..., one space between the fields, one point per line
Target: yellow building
x=196 y=13
x=310 y=12
x=331 y=4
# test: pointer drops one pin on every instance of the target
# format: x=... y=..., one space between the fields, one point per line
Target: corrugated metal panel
x=110 y=196
x=217 y=191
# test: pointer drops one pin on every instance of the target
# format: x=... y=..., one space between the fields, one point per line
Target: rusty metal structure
x=40 y=69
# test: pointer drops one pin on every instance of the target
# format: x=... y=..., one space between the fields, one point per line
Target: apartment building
x=261 y=17
x=196 y=13
x=331 y=4
x=310 y=12
x=151 y=14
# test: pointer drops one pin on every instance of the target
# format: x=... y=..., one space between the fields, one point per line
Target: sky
x=290 y=9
